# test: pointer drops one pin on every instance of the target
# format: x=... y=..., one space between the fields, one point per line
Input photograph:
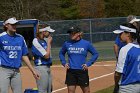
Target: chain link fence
x=97 y=31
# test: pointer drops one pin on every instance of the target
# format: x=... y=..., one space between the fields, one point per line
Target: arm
x=94 y=57
x=40 y=51
x=116 y=50
x=48 y=50
x=62 y=52
x=116 y=47
x=117 y=77
x=27 y=62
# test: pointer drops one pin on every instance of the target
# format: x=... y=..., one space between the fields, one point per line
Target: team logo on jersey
x=4 y=42
x=75 y=49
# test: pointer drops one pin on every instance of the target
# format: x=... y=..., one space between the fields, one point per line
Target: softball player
x=118 y=43
x=12 y=49
x=41 y=51
x=127 y=73
x=77 y=66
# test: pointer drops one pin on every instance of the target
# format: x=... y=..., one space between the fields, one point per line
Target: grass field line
x=92 y=79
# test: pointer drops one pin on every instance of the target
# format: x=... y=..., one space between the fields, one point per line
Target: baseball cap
x=10 y=21
x=134 y=20
x=73 y=29
x=124 y=29
x=48 y=28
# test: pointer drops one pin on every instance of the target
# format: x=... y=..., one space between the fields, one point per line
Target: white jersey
x=129 y=64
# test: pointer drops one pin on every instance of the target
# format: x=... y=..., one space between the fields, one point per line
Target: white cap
x=10 y=21
x=48 y=28
x=134 y=20
x=124 y=28
x=118 y=31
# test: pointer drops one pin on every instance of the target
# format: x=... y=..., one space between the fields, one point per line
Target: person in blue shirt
x=77 y=65
x=118 y=45
x=41 y=50
x=13 y=50
x=127 y=72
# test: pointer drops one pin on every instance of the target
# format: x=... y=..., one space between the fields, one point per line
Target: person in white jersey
x=41 y=50
x=118 y=43
x=127 y=72
x=13 y=50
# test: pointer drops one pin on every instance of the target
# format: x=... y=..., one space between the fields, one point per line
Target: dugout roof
x=27 y=23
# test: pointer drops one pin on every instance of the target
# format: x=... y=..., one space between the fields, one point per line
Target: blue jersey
x=119 y=43
x=129 y=64
x=39 y=51
x=12 y=48
x=77 y=52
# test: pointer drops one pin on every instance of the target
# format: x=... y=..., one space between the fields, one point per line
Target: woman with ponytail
x=127 y=72
x=77 y=65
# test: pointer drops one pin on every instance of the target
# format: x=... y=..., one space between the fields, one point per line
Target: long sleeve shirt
x=77 y=52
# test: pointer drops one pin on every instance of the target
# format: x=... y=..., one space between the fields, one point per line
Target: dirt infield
x=101 y=76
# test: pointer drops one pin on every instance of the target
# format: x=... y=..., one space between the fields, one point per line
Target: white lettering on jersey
x=12 y=47
x=4 y=42
x=13 y=54
x=75 y=50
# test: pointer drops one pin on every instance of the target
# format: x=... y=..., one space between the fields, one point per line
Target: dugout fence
x=98 y=31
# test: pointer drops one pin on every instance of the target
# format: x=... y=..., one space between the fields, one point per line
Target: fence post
x=90 y=24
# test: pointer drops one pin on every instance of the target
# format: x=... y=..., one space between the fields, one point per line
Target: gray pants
x=10 y=77
x=44 y=84
x=131 y=88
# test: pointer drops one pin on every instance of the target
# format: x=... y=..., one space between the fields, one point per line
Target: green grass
x=107 y=90
x=105 y=50
x=104 y=44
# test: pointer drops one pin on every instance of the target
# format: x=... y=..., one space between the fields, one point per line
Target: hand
x=36 y=75
x=67 y=66
x=49 y=39
x=85 y=67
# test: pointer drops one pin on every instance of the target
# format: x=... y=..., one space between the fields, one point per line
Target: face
x=46 y=33
x=74 y=35
x=124 y=36
x=11 y=27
